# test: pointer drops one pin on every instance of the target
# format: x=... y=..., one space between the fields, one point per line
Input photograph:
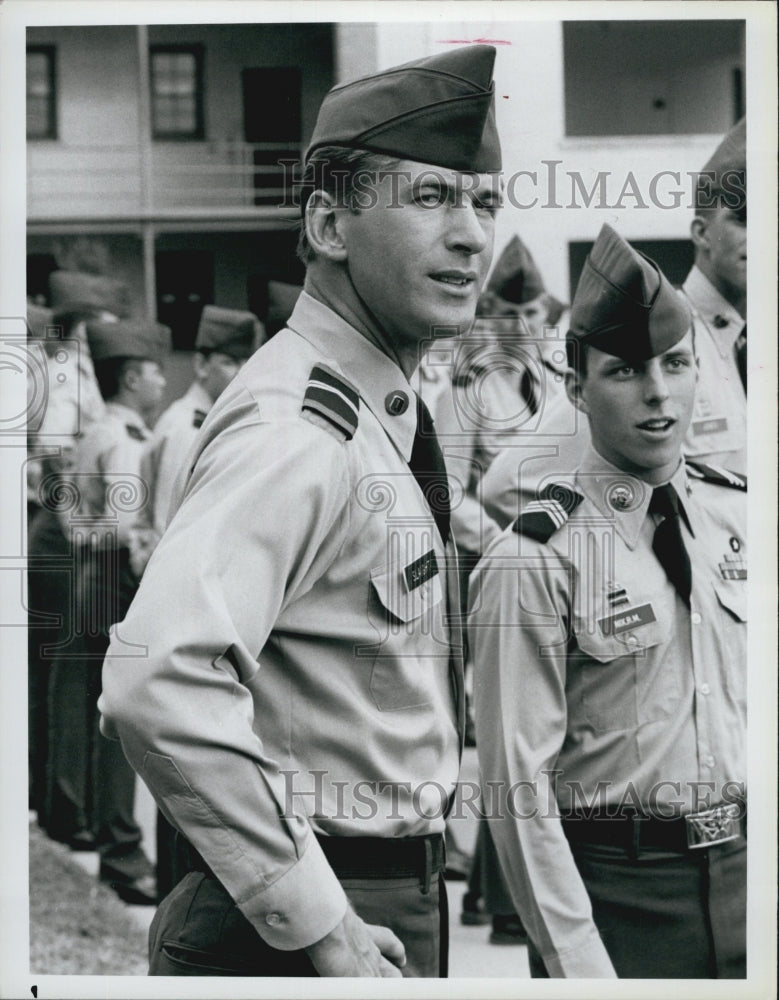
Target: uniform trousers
x=91 y=782
x=486 y=878
x=666 y=915
x=199 y=931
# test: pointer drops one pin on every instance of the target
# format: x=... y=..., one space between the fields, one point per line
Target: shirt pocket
x=409 y=620
x=621 y=682
x=732 y=631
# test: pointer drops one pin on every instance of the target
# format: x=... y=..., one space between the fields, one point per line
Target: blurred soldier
x=70 y=403
x=226 y=338
x=297 y=714
x=716 y=289
x=609 y=640
x=108 y=491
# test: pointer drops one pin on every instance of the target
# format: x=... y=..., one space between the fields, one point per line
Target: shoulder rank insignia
x=198 y=418
x=548 y=512
x=716 y=474
x=333 y=398
x=135 y=432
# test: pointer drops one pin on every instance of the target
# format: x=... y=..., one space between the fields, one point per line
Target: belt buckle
x=713 y=826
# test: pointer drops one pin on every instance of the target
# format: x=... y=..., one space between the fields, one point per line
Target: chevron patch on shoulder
x=333 y=398
x=545 y=515
x=716 y=474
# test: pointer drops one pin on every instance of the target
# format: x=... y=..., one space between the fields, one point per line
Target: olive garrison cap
x=75 y=291
x=39 y=318
x=438 y=110
x=229 y=331
x=126 y=339
x=723 y=179
x=624 y=305
x=515 y=277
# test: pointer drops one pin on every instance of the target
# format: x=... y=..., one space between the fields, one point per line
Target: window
x=177 y=91
x=41 y=93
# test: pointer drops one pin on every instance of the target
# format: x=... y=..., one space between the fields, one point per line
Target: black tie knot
x=665 y=501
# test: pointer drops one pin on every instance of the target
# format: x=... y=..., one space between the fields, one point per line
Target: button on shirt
x=718 y=429
x=298 y=673
x=587 y=663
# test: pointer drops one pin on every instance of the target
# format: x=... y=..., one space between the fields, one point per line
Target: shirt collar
x=623 y=499
x=723 y=320
x=127 y=416
x=375 y=376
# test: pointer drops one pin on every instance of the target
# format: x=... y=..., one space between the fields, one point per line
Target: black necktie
x=527 y=388
x=741 y=356
x=427 y=464
x=668 y=544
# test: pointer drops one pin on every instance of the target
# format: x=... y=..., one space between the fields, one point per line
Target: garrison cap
x=438 y=110
x=39 y=318
x=516 y=277
x=125 y=339
x=229 y=331
x=723 y=180
x=624 y=305
x=76 y=291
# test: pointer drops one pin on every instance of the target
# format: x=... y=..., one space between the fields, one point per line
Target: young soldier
x=297 y=707
x=104 y=479
x=609 y=641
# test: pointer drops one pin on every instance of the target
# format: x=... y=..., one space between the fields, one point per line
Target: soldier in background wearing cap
x=716 y=289
x=72 y=403
x=298 y=717
x=608 y=634
x=90 y=772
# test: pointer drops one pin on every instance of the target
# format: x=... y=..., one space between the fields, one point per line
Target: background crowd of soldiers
x=104 y=464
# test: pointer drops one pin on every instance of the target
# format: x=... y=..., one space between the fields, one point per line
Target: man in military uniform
x=608 y=632
x=226 y=339
x=716 y=289
x=107 y=491
x=297 y=708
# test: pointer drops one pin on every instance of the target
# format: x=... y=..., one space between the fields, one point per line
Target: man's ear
x=699 y=233
x=199 y=364
x=323 y=226
x=573 y=389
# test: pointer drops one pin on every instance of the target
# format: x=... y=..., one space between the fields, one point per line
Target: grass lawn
x=77 y=925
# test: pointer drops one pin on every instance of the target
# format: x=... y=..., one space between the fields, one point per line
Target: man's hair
x=576 y=353
x=335 y=169
x=109 y=374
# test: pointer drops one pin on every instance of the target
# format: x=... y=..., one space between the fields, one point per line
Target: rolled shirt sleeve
x=255 y=526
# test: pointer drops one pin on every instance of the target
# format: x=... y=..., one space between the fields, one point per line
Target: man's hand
x=355 y=948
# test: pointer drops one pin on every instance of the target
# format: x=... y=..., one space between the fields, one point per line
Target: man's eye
x=431 y=198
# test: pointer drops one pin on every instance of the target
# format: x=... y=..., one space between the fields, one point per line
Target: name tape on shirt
x=712 y=425
x=420 y=570
x=624 y=621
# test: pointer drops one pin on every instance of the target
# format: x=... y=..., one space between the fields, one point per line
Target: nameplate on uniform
x=420 y=570
x=712 y=425
x=624 y=621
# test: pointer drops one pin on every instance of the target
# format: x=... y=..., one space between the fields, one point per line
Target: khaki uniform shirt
x=298 y=672
x=588 y=664
x=105 y=475
x=718 y=429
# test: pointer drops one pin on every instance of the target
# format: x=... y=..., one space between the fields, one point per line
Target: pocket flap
x=630 y=642
x=733 y=598
x=402 y=600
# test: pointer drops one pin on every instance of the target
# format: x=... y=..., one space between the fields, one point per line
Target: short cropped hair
x=335 y=169
x=110 y=371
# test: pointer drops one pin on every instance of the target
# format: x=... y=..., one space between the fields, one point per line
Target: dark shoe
x=81 y=840
x=508 y=930
x=139 y=892
x=473 y=913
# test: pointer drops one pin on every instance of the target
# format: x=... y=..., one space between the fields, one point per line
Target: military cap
x=624 y=305
x=39 y=319
x=515 y=277
x=229 y=331
x=128 y=339
x=438 y=110
x=723 y=179
x=75 y=291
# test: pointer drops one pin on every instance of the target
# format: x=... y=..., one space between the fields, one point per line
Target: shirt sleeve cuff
x=302 y=906
x=589 y=960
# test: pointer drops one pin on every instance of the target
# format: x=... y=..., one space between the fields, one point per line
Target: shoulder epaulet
x=135 y=432
x=548 y=512
x=716 y=474
x=330 y=396
x=198 y=418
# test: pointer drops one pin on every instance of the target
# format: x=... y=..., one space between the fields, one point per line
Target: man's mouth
x=657 y=425
x=457 y=279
